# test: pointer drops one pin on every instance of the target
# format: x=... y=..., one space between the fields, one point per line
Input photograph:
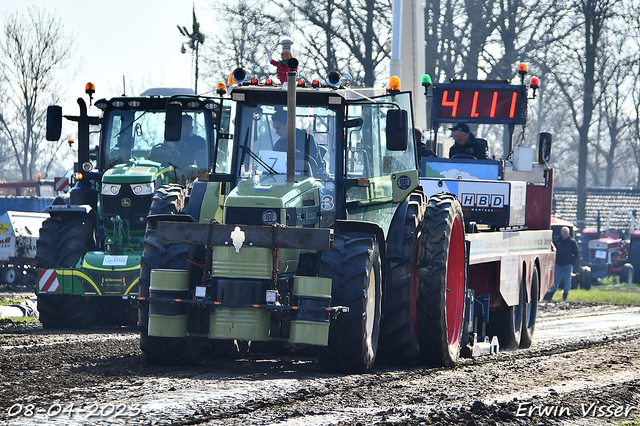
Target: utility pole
x=196 y=38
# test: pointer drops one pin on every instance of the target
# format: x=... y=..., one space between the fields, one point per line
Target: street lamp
x=196 y=38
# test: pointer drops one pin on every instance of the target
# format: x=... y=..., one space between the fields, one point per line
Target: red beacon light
x=315 y=84
x=254 y=81
x=534 y=83
x=268 y=82
x=301 y=83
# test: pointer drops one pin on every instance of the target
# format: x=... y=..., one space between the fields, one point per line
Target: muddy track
x=99 y=377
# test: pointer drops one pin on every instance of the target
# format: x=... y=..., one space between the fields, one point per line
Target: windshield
x=262 y=142
x=138 y=135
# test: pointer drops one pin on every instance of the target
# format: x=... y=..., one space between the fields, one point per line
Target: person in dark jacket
x=567 y=253
x=305 y=144
x=423 y=150
x=466 y=143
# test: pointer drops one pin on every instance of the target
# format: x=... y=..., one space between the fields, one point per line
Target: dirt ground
x=99 y=377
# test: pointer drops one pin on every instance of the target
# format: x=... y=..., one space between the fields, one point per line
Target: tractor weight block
x=167 y=319
x=239 y=324
x=249 y=262
x=310 y=327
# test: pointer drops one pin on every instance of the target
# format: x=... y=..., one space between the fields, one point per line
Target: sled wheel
x=164 y=350
x=441 y=284
x=530 y=311
x=506 y=322
x=398 y=335
x=354 y=266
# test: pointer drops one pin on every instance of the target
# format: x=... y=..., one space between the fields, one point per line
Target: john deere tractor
x=89 y=249
x=308 y=245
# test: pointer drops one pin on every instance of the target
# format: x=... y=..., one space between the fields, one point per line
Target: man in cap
x=305 y=145
x=466 y=143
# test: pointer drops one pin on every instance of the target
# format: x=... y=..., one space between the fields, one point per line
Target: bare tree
x=32 y=51
x=231 y=47
x=353 y=34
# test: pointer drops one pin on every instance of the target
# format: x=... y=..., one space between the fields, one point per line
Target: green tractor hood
x=269 y=199
x=138 y=171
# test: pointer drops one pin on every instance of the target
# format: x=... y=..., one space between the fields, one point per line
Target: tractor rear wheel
x=62 y=242
x=163 y=350
x=441 y=287
x=354 y=265
x=398 y=334
x=530 y=311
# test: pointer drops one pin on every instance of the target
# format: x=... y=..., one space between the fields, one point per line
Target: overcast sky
x=137 y=39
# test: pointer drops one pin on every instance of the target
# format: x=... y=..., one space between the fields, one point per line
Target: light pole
x=196 y=38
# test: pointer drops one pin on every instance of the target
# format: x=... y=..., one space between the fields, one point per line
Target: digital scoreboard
x=479 y=102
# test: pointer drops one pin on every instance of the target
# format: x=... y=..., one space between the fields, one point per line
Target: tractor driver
x=305 y=143
x=182 y=153
x=190 y=145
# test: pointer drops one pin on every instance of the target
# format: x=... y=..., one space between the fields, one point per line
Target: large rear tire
x=398 y=334
x=530 y=311
x=164 y=350
x=62 y=243
x=441 y=287
x=354 y=266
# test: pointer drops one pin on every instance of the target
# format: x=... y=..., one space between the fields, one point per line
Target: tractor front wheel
x=354 y=265
x=155 y=255
x=626 y=273
x=62 y=242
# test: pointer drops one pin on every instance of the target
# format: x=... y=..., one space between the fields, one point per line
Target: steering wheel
x=465 y=156
x=162 y=153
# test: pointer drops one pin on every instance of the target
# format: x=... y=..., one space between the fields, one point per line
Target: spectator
x=567 y=254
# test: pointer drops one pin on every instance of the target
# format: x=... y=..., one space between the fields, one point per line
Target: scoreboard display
x=479 y=102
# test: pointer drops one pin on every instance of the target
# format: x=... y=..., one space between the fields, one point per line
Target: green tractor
x=307 y=246
x=89 y=249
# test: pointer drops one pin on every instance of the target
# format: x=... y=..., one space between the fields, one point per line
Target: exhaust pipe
x=291 y=126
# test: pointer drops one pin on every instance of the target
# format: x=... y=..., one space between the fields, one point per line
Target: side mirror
x=397 y=130
x=54 y=122
x=173 y=122
x=544 y=148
